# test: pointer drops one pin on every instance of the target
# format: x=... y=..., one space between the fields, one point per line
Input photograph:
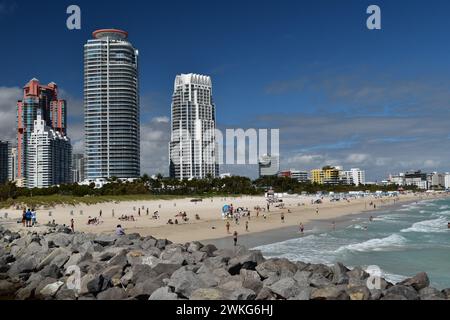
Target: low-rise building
x=326 y=175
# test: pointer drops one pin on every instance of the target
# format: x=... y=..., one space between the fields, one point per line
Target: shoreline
x=211 y=227
x=315 y=226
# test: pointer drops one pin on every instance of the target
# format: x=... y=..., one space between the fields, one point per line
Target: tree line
x=234 y=185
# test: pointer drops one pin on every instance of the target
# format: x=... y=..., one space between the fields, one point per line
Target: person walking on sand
x=72 y=225
x=235 y=238
x=100 y=213
x=139 y=212
x=246 y=226
x=317 y=210
x=228 y=226
x=268 y=207
x=301 y=227
x=282 y=217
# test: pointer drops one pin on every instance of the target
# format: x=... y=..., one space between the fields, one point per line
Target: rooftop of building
x=111 y=33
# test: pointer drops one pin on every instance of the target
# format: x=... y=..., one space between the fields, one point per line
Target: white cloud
x=162 y=119
x=357 y=158
x=8 y=112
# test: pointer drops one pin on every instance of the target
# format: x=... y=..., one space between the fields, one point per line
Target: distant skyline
x=339 y=93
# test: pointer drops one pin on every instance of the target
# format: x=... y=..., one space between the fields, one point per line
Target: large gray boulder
x=302 y=278
x=430 y=293
x=105 y=240
x=286 y=288
x=24 y=264
x=247 y=260
x=304 y=294
x=359 y=293
x=329 y=293
x=59 y=239
x=209 y=249
x=276 y=267
x=419 y=281
x=401 y=290
x=318 y=280
x=114 y=293
x=163 y=293
x=184 y=282
x=340 y=274
x=51 y=289
x=243 y=294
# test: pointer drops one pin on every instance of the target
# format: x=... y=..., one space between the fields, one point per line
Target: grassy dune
x=52 y=200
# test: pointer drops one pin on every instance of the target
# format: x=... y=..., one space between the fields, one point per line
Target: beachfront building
x=4 y=161
x=354 y=176
x=300 y=176
x=37 y=99
x=111 y=106
x=437 y=180
x=397 y=179
x=192 y=146
x=49 y=157
x=12 y=165
x=447 y=180
x=418 y=179
x=268 y=165
x=77 y=167
x=326 y=175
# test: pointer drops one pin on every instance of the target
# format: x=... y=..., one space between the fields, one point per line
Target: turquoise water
x=401 y=242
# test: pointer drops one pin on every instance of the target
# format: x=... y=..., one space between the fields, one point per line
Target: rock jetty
x=59 y=264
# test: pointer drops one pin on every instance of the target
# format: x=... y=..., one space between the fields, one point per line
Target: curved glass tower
x=111 y=106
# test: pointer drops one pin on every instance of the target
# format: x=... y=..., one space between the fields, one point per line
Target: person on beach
x=139 y=212
x=371 y=218
x=246 y=226
x=228 y=226
x=72 y=225
x=100 y=213
x=282 y=217
x=302 y=227
x=28 y=218
x=317 y=210
x=119 y=230
x=33 y=217
x=235 y=236
x=268 y=206
x=147 y=211
x=24 y=214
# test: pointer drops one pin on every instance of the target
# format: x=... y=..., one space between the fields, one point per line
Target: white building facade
x=48 y=158
x=192 y=146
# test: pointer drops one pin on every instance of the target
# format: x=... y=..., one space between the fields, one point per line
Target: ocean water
x=401 y=242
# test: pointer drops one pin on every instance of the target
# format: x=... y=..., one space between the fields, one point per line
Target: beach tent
x=225 y=211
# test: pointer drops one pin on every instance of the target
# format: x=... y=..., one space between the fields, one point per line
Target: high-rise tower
x=192 y=147
x=37 y=99
x=111 y=106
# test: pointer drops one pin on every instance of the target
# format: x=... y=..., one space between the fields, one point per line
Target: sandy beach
x=210 y=225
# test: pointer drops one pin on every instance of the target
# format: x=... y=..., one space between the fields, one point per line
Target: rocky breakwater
x=58 y=264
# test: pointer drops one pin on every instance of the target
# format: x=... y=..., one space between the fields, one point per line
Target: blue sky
x=338 y=92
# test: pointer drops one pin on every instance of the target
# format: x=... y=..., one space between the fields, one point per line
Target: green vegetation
x=146 y=188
